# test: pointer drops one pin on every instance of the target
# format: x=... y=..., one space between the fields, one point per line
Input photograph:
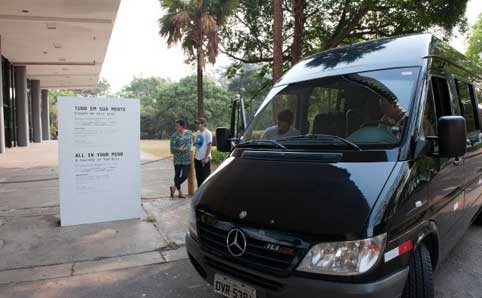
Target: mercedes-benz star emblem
x=236 y=242
x=243 y=214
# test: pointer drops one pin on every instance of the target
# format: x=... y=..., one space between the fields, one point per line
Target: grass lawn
x=159 y=148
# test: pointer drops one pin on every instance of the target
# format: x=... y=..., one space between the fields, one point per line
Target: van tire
x=419 y=282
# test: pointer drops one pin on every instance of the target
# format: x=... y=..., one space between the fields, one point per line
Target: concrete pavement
x=33 y=246
x=169 y=280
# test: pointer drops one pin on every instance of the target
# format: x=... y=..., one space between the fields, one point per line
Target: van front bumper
x=207 y=265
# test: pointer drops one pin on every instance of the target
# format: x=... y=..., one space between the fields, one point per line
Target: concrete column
x=36 y=111
x=2 y=117
x=45 y=115
x=21 y=101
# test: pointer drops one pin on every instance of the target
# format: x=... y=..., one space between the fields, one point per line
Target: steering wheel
x=376 y=123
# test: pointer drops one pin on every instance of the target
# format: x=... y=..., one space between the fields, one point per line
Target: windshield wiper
x=259 y=142
x=323 y=136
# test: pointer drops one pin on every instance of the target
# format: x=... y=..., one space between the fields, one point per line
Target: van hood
x=331 y=200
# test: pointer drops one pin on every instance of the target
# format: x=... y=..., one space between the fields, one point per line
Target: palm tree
x=195 y=24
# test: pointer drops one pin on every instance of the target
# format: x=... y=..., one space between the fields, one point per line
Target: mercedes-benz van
x=358 y=173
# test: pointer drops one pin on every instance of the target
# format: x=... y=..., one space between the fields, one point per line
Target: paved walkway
x=33 y=246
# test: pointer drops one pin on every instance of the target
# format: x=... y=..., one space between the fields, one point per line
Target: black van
x=356 y=176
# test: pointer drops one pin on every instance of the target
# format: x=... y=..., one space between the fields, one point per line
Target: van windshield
x=351 y=111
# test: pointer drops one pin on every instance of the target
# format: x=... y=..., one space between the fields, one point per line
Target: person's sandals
x=173 y=190
x=182 y=196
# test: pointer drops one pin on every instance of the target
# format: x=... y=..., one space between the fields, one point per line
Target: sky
x=137 y=50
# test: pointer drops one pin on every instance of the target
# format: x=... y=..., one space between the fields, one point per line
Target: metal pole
x=190 y=179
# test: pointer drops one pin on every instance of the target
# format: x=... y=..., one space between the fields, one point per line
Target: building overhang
x=62 y=43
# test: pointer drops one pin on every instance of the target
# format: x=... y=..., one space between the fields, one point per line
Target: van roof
x=390 y=52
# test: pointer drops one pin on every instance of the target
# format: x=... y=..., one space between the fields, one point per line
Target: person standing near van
x=181 y=143
x=202 y=158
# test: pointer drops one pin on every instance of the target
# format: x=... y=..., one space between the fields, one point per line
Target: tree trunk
x=299 y=18
x=277 y=40
x=200 y=67
x=277 y=49
x=200 y=57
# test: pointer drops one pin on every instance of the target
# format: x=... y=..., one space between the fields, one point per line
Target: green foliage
x=195 y=23
x=54 y=94
x=162 y=102
x=330 y=23
x=218 y=157
x=474 y=51
x=252 y=84
x=148 y=90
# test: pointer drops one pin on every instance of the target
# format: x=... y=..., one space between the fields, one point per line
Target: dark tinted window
x=478 y=92
x=467 y=102
x=441 y=95
x=475 y=105
x=429 y=116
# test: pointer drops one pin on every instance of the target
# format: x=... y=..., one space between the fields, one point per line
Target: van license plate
x=232 y=288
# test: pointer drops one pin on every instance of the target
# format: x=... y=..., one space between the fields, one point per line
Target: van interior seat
x=354 y=120
x=331 y=124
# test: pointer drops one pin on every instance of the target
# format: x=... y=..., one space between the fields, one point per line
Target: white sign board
x=99 y=160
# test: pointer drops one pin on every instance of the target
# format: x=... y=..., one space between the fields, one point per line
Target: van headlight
x=344 y=258
x=192 y=225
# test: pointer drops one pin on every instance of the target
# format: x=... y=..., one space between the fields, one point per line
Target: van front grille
x=257 y=256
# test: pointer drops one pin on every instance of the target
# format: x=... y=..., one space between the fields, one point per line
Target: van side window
x=478 y=92
x=467 y=103
x=475 y=106
x=429 y=115
x=441 y=95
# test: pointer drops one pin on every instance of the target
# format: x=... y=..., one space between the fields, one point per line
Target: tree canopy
x=54 y=95
x=101 y=90
x=474 y=51
x=248 y=35
x=163 y=101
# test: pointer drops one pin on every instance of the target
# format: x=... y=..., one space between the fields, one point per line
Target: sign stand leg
x=190 y=180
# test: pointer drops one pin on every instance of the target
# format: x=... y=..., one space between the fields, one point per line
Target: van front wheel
x=419 y=282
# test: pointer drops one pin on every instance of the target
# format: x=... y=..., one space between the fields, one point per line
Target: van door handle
x=457 y=161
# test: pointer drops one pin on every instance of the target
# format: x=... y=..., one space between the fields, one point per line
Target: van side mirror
x=452 y=136
x=223 y=139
